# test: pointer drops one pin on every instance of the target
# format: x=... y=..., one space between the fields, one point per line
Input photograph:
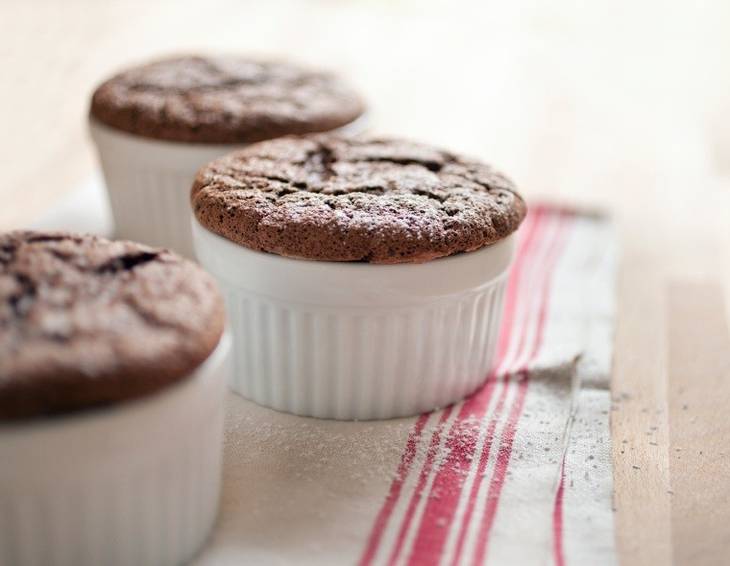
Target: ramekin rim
x=355 y=265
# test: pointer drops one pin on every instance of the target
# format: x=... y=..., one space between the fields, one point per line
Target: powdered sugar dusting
x=378 y=200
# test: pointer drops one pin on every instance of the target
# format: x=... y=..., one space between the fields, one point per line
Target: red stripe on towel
x=558 y=520
x=422 y=479
x=508 y=435
x=395 y=488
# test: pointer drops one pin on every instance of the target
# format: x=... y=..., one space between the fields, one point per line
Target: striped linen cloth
x=519 y=473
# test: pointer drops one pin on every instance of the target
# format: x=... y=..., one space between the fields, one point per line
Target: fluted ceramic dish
x=348 y=340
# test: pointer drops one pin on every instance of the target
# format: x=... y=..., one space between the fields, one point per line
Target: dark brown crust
x=87 y=322
x=223 y=99
x=378 y=200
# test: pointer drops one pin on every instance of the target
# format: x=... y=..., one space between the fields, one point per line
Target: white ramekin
x=133 y=484
x=148 y=183
x=357 y=340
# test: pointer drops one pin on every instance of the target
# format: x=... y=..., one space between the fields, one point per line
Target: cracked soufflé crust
x=86 y=322
x=224 y=99
x=378 y=200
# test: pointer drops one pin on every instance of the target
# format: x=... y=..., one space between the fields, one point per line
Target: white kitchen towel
x=519 y=473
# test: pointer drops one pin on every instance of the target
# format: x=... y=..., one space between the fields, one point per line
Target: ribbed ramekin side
x=158 y=513
x=358 y=363
x=149 y=205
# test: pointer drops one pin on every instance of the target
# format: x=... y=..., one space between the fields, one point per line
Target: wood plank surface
x=699 y=397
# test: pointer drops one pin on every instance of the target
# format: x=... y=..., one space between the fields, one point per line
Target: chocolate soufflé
x=366 y=199
x=87 y=322
x=223 y=99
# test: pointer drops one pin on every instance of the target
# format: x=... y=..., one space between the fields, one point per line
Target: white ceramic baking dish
x=132 y=484
x=357 y=340
x=148 y=184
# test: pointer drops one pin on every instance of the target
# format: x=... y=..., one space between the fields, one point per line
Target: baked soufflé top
x=377 y=200
x=224 y=99
x=86 y=322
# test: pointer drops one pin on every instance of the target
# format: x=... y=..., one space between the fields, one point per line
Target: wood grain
x=639 y=432
x=615 y=104
x=699 y=397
